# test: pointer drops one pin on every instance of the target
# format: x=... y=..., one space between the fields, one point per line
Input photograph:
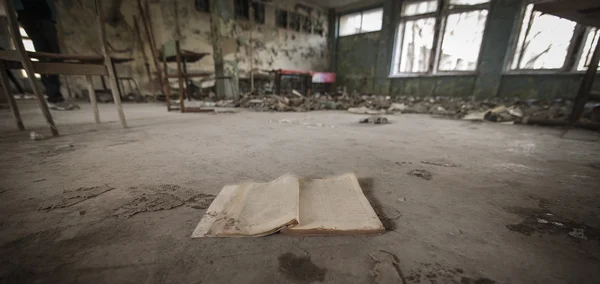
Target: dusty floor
x=504 y=204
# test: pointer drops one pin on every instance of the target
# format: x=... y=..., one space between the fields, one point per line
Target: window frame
x=361 y=12
x=440 y=16
x=574 y=51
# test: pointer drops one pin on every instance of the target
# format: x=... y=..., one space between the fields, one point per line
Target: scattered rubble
x=71 y=197
x=497 y=109
x=151 y=198
x=376 y=119
x=441 y=163
x=424 y=174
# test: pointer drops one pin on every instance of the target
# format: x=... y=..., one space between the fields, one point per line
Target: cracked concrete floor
x=505 y=204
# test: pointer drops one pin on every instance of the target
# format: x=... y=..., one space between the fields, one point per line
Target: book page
x=258 y=209
x=335 y=205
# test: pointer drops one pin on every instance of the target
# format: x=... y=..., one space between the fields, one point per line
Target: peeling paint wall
x=363 y=64
x=267 y=46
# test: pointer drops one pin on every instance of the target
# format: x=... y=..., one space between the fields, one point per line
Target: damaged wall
x=268 y=46
x=363 y=63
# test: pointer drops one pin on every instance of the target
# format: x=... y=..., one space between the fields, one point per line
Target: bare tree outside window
x=462 y=40
x=459 y=38
x=543 y=41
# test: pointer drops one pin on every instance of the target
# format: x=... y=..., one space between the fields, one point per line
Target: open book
x=325 y=206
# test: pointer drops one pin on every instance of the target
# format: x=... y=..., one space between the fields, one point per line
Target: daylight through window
x=361 y=22
x=547 y=42
x=434 y=37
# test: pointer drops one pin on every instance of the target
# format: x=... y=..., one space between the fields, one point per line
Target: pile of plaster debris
x=492 y=109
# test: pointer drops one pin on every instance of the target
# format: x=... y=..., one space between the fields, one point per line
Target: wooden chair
x=171 y=52
x=60 y=64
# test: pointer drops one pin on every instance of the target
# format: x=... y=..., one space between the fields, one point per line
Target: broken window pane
x=28 y=45
x=371 y=20
x=543 y=41
x=350 y=24
x=462 y=40
x=417 y=41
x=282 y=20
x=591 y=40
x=417 y=8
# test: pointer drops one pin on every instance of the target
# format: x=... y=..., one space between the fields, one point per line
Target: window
x=362 y=22
x=591 y=39
x=242 y=9
x=307 y=25
x=543 y=41
x=294 y=21
x=439 y=36
x=203 y=5
x=282 y=18
x=28 y=44
x=259 y=12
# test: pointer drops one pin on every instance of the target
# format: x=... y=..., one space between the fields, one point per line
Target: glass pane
x=467 y=2
x=23 y=32
x=462 y=40
x=417 y=8
x=350 y=24
x=28 y=45
x=546 y=43
x=371 y=20
x=417 y=41
x=588 y=48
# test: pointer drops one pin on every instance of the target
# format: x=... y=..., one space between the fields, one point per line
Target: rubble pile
x=491 y=109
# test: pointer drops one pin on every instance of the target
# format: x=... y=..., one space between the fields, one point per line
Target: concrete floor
x=468 y=224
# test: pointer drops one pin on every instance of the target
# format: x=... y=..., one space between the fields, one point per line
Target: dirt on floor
x=462 y=202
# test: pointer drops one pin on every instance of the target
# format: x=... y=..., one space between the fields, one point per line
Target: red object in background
x=323 y=77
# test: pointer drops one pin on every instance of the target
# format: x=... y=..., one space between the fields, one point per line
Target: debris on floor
x=441 y=163
x=305 y=122
x=300 y=268
x=71 y=197
x=386 y=268
x=36 y=136
x=376 y=119
x=291 y=205
x=151 y=198
x=422 y=173
x=542 y=221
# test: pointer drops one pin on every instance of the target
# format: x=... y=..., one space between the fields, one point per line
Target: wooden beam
x=180 y=77
x=61 y=68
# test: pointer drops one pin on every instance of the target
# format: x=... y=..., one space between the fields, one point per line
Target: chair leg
x=11 y=99
x=114 y=85
x=109 y=64
x=93 y=99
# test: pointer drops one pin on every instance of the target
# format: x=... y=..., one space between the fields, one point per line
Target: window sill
x=433 y=75
x=358 y=34
x=543 y=72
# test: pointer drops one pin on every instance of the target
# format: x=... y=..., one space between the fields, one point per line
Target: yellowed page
x=335 y=205
x=258 y=209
